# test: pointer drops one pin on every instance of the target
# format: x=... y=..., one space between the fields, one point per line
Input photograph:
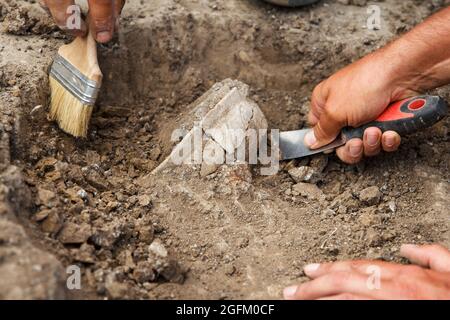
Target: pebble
x=143 y=272
x=302 y=174
x=370 y=196
x=52 y=224
x=114 y=289
x=144 y=200
x=74 y=233
x=373 y=237
x=207 y=169
x=41 y=215
x=82 y=194
x=158 y=249
x=86 y=254
x=319 y=163
x=307 y=190
x=146 y=234
x=46 y=197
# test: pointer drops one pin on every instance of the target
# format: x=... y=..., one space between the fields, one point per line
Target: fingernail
x=355 y=151
x=103 y=36
x=389 y=141
x=289 y=292
x=310 y=139
x=372 y=139
x=310 y=268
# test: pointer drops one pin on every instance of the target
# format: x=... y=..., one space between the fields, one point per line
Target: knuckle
x=303 y=290
x=339 y=279
x=329 y=112
x=414 y=271
x=346 y=296
x=408 y=286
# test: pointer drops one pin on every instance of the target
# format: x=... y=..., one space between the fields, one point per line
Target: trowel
x=405 y=117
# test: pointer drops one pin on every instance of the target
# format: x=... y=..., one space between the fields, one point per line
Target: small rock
x=105 y=238
x=144 y=200
x=126 y=259
x=41 y=215
x=342 y=209
x=392 y=206
x=144 y=272
x=52 y=224
x=146 y=234
x=111 y=206
x=38 y=112
x=114 y=289
x=158 y=249
x=82 y=194
x=373 y=237
x=368 y=217
x=96 y=180
x=207 y=169
x=370 y=196
x=46 y=197
x=303 y=174
x=155 y=153
x=310 y=191
x=388 y=235
x=319 y=163
x=328 y=212
x=86 y=253
x=75 y=234
x=171 y=271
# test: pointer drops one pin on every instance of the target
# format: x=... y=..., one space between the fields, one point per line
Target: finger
x=326 y=130
x=118 y=6
x=372 y=141
x=318 y=100
x=332 y=284
x=102 y=19
x=66 y=16
x=391 y=141
x=346 y=296
x=44 y=7
x=435 y=257
x=352 y=152
x=43 y=4
x=386 y=270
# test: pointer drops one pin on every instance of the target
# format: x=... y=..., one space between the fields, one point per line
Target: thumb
x=325 y=131
x=435 y=257
x=102 y=19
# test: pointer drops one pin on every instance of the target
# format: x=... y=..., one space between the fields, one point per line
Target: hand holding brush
x=75 y=79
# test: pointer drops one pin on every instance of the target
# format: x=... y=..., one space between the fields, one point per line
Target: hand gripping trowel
x=405 y=117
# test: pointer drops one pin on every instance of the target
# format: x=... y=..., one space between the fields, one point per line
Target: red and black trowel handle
x=405 y=117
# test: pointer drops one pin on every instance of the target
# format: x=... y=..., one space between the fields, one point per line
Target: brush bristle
x=70 y=113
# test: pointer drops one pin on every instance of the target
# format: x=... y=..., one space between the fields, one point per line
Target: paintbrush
x=75 y=79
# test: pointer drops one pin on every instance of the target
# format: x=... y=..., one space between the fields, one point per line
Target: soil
x=94 y=202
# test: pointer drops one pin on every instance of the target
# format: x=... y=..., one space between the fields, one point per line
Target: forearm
x=420 y=60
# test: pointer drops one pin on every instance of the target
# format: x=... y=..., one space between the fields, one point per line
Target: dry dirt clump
x=200 y=231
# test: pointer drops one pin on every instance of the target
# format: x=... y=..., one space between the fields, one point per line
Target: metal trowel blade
x=292 y=145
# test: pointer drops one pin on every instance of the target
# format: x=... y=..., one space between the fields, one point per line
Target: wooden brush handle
x=82 y=54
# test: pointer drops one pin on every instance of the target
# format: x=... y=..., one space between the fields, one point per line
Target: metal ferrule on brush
x=74 y=81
